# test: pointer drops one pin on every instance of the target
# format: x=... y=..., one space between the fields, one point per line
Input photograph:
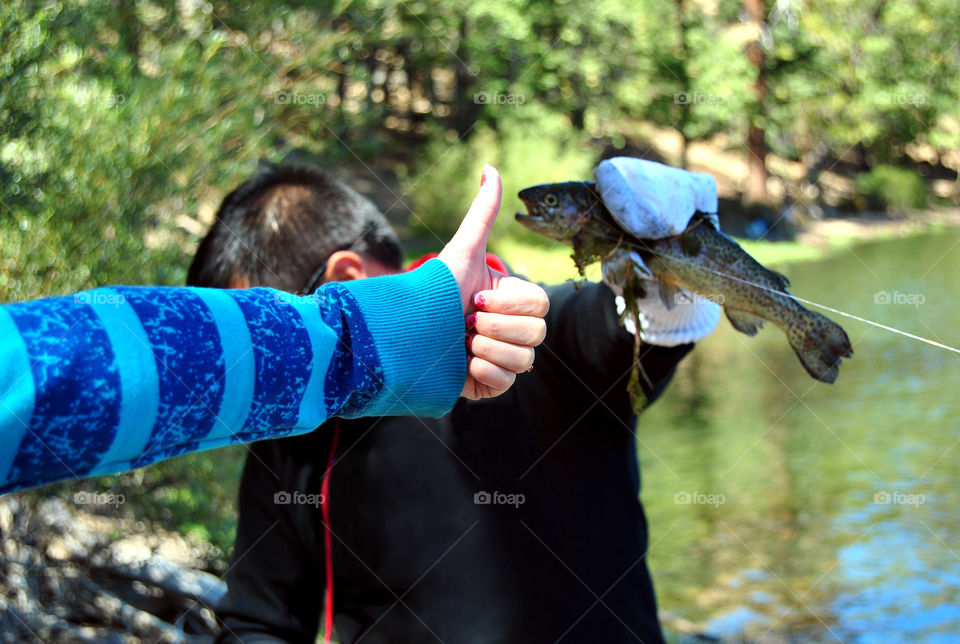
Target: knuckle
x=539 y=332
x=478 y=346
x=485 y=372
x=494 y=376
x=543 y=302
x=510 y=282
x=506 y=380
x=530 y=358
x=492 y=325
x=512 y=358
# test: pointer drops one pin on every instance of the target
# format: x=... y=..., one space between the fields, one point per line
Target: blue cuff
x=416 y=321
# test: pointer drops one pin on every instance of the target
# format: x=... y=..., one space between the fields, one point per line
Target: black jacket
x=417 y=554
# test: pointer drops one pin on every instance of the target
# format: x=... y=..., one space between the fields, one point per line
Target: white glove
x=690 y=318
x=652 y=201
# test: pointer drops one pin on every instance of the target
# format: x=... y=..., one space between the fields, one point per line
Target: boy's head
x=292 y=228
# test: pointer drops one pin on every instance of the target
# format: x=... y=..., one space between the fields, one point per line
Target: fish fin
x=820 y=344
x=782 y=279
x=670 y=294
x=744 y=322
x=640 y=266
x=712 y=219
x=690 y=244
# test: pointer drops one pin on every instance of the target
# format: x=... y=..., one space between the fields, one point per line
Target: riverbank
x=870 y=226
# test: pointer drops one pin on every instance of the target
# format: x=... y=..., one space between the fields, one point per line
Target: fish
x=700 y=260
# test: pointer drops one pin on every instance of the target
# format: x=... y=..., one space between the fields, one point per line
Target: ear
x=239 y=280
x=344 y=265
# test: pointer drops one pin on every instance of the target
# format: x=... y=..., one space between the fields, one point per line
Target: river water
x=782 y=506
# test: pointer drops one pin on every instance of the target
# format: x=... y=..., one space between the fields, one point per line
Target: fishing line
x=620 y=240
x=852 y=316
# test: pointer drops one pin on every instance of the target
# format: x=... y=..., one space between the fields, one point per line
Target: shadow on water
x=821 y=513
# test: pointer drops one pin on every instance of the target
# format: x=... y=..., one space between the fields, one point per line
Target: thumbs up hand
x=504 y=315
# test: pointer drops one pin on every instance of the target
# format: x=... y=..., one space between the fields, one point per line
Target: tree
x=756 y=134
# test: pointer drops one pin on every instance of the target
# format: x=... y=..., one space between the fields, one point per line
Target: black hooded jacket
x=515 y=519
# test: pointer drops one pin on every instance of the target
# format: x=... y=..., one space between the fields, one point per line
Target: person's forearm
x=117 y=378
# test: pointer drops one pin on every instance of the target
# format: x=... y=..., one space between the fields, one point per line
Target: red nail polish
x=479 y=300
x=472 y=321
x=483 y=175
x=468 y=340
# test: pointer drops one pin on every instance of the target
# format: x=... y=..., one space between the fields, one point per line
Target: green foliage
x=894 y=186
x=879 y=74
x=123 y=124
x=119 y=125
x=529 y=147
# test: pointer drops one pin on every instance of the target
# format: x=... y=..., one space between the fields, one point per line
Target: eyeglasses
x=316 y=279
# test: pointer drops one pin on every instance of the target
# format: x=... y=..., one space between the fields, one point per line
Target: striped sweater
x=116 y=378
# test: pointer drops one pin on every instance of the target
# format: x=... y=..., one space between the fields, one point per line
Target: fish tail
x=820 y=344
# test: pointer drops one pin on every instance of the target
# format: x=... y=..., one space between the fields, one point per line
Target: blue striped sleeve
x=417 y=330
x=116 y=378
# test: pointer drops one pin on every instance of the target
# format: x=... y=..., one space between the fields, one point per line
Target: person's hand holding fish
x=655 y=230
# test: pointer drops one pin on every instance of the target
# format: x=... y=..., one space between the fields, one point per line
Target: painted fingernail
x=479 y=300
x=468 y=339
x=483 y=175
x=471 y=321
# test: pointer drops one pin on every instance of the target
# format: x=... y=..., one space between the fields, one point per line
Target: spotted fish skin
x=700 y=260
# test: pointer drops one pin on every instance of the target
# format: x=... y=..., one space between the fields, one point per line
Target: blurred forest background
x=123 y=124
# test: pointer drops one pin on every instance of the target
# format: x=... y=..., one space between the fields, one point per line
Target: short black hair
x=280 y=227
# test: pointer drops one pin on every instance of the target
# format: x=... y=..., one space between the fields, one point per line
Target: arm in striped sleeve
x=117 y=378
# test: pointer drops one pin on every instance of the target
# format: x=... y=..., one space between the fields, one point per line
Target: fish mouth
x=523 y=217
x=535 y=214
x=528 y=219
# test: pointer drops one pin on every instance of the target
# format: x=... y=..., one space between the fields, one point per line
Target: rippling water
x=832 y=513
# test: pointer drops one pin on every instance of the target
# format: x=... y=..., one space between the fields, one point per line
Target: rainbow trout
x=700 y=259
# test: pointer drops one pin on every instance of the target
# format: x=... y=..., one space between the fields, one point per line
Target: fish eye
x=550 y=199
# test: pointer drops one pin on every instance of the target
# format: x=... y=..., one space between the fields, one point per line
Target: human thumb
x=471 y=238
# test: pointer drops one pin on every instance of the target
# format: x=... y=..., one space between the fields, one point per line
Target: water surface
x=777 y=503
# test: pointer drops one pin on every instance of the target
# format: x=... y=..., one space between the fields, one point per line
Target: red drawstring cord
x=327 y=554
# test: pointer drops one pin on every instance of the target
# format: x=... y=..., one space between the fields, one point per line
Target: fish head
x=559 y=210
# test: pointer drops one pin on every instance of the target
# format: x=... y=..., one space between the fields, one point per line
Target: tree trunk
x=130 y=32
x=467 y=105
x=684 y=78
x=578 y=111
x=756 y=135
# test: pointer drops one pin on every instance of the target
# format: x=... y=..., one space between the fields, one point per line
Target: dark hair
x=280 y=227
